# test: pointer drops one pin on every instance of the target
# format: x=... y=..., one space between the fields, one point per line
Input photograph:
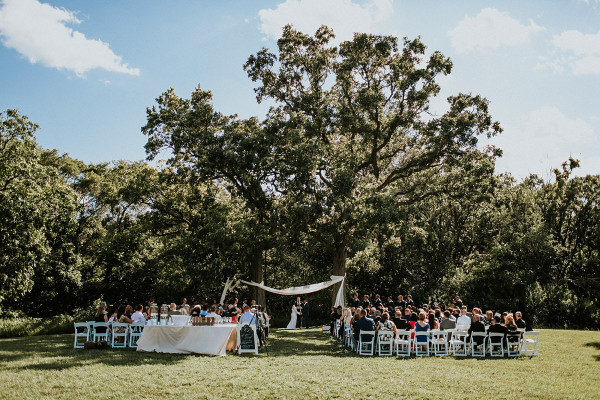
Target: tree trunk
x=257 y=275
x=339 y=267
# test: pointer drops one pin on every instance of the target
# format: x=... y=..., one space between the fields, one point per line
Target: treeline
x=348 y=174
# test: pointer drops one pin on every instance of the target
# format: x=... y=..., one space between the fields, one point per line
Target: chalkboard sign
x=247 y=338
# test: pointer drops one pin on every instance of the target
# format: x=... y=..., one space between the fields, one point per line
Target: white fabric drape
x=294 y=291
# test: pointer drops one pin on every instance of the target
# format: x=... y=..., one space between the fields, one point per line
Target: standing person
x=293 y=317
x=400 y=302
x=305 y=313
x=366 y=302
x=298 y=312
x=355 y=301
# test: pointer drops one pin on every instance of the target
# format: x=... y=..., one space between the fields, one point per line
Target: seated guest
x=407 y=314
x=510 y=324
x=126 y=315
x=113 y=314
x=497 y=327
x=489 y=317
x=363 y=324
x=100 y=317
x=400 y=322
x=248 y=316
x=196 y=310
x=173 y=309
x=138 y=315
x=463 y=322
x=386 y=324
x=377 y=301
x=455 y=312
x=513 y=335
x=213 y=313
x=448 y=322
x=433 y=321
x=520 y=321
x=204 y=311
x=477 y=326
x=421 y=326
x=376 y=316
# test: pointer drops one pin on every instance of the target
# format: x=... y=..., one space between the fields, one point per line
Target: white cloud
x=577 y=50
x=345 y=17
x=39 y=32
x=543 y=139
x=489 y=30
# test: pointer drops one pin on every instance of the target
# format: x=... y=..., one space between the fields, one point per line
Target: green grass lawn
x=303 y=364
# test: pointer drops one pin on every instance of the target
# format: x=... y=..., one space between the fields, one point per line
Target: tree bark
x=257 y=275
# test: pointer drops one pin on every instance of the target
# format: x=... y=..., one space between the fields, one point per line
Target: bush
x=27 y=326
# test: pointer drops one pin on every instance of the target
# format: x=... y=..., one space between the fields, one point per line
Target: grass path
x=302 y=364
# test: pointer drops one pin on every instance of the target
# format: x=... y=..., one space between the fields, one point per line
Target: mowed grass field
x=305 y=364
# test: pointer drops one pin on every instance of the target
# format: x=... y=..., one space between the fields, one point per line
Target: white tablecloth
x=213 y=340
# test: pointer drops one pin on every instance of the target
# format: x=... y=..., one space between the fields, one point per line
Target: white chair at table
x=478 y=350
x=245 y=326
x=422 y=347
x=81 y=332
x=135 y=332
x=101 y=335
x=459 y=343
x=120 y=331
x=385 y=342
x=366 y=346
x=439 y=341
x=530 y=339
x=496 y=344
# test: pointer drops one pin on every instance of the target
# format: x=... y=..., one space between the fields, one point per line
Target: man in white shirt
x=248 y=317
x=138 y=315
x=463 y=323
x=213 y=313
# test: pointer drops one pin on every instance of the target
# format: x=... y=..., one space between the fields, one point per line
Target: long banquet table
x=213 y=340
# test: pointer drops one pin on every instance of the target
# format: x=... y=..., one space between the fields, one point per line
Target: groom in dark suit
x=305 y=312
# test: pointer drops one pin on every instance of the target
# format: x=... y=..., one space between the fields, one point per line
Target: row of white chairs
x=442 y=343
x=121 y=335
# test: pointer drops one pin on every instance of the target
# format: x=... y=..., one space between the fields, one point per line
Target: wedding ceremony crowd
x=403 y=315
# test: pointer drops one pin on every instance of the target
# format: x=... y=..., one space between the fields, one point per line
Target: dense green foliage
x=348 y=173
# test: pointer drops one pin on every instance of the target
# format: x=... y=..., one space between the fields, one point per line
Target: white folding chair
x=530 y=343
x=366 y=346
x=81 y=332
x=336 y=329
x=513 y=344
x=459 y=343
x=478 y=350
x=244 y=338
x=385 y=343
x=348 y=336
x=101 y=335
x=326 y=328
x=90 y=329
x=120 y=331
x=403 y=344
x=439 y=340
x=422 y=346
x=135 y=332
x=496 y=344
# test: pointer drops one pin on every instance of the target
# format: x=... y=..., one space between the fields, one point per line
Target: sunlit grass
x=300 y=364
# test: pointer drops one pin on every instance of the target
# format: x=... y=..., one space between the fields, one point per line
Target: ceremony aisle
x=303 y=364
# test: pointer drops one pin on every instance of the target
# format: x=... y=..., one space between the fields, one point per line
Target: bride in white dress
x=292 y=324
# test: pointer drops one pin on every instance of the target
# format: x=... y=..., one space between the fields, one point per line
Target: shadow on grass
x=56 y=352
x=595 y=345
x=305 y=342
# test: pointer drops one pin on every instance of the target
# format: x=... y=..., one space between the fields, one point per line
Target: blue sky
x=86 y=71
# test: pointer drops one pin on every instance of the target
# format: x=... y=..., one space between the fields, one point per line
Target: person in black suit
x=305 y=313
x=497 y=327
x=299 y=311
x=390 y=304
x=520 y=321
x=355 y=302
x=477 y=326
x=400 y=302
x=366 y=302
x=458 y=302
x=401 y=323
x=377 y=303
x=363 y=324
x=409 y=301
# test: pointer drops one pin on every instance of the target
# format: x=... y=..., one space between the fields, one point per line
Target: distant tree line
x=349 y=173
